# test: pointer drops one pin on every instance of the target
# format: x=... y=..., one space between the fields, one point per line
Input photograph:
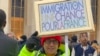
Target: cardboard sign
x=57 y=17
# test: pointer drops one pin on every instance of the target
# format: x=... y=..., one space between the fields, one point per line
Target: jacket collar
x=85 y=46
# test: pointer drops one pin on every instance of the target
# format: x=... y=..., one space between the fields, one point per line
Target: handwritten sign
x=61 y=16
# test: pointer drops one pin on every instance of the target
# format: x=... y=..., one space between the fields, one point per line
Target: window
x=17 y=17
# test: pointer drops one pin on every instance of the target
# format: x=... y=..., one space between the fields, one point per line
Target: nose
x=51 y=44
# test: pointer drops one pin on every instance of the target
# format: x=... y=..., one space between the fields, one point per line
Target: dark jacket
x=79 y=50
x=8 y=46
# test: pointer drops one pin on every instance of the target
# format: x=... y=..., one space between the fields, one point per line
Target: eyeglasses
x=51 y=41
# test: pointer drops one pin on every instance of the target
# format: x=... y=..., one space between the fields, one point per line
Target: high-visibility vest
x=38 y=53
x=24 y=52
x=62 y=48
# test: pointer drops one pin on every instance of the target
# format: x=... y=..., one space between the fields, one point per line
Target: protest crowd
x=49 y=45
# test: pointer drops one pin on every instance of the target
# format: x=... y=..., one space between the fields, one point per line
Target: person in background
x=83 y=49
x=73 y=42
x=32 y=44
x=97 y=51
x=50 y=46
x=95 y=45
x=94 y=42
x=8 y=46
x=22 y=42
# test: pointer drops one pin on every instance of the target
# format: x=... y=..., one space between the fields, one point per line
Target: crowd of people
x=44 y=45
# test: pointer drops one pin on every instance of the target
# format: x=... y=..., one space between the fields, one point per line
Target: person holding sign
x=50 y=47
x=83 y=49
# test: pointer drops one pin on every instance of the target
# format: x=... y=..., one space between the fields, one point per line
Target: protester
x=8 y=46
x=32 y=44
x=50 y=46
x=97 y=51
x=95 y=45
x=83 y=49
x=73 y=42
x=22 y=42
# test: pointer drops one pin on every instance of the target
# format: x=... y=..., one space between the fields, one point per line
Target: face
x=83 y=38
x=51 y=46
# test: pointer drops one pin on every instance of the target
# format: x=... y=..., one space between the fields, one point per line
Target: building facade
x=20 y=17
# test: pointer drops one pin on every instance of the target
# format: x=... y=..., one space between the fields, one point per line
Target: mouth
x=50 y=48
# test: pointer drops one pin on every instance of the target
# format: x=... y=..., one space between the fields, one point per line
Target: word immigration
x=62 y=15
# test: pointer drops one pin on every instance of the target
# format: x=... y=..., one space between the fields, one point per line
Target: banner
x=56 y=17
